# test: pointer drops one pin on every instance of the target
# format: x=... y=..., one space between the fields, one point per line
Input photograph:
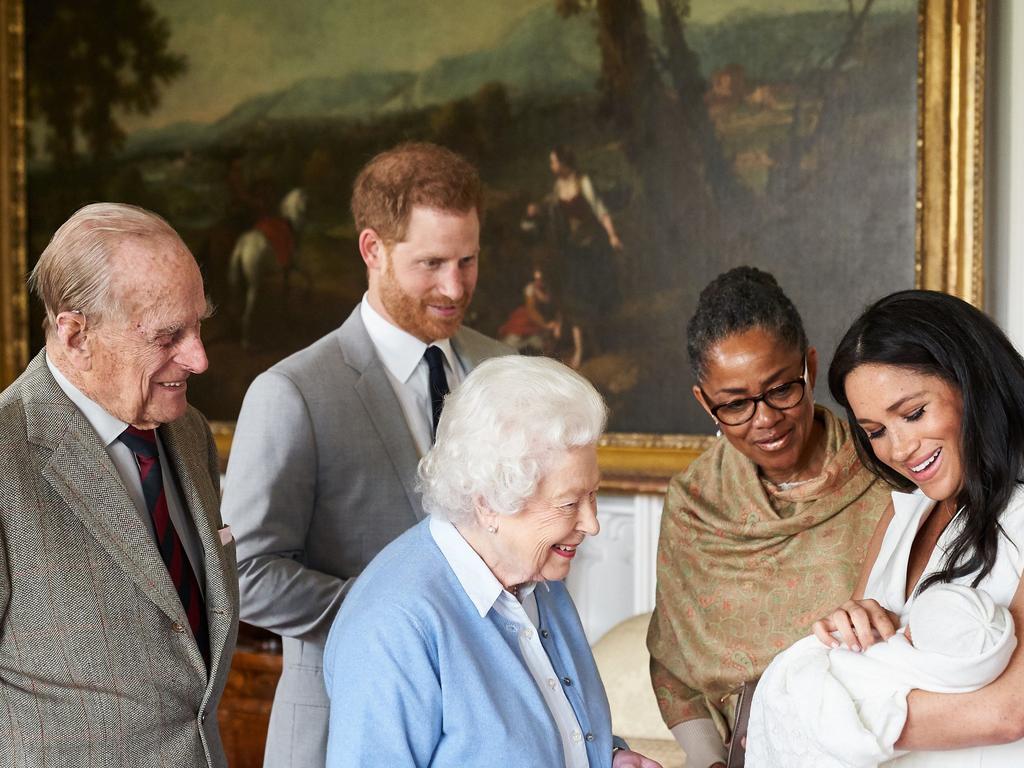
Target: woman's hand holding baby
x=856 y=621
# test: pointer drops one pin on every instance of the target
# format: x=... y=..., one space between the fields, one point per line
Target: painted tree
x=656 y=97
x=656 y=103
x=819 y=87
x=87 y=60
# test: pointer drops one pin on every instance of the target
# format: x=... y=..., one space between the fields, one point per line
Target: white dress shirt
x=109 y=428
x=402 y=355
x=486 y=592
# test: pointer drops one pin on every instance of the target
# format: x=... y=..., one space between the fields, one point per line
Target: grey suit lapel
x=375 y=392
x=202 y=501
x=473 y=348
x=80 y=470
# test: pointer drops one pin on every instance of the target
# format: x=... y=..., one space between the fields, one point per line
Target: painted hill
x=543 y=55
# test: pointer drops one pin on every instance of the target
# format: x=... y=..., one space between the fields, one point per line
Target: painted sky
x=241 y=48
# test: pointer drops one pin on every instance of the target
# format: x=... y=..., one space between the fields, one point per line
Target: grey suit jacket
x=321 y=478
x=98 y=667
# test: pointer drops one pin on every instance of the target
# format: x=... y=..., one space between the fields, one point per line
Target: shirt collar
x=399 y=350
x=108 y=427
x=481 y=585
x=906 y=504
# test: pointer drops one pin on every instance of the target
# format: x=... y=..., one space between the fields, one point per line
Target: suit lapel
x=472 y=348
x=375 y=391
x=80 y=470
x=202 y=500
x=464 y=347
x=378 y=397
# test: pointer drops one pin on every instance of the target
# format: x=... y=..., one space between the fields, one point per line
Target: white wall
x=1004 y=204
x=613 y=576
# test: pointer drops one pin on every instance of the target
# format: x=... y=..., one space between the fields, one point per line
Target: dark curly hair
x=737 y=301
x=940 y=335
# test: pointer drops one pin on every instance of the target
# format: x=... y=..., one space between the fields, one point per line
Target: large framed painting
x=631 y=151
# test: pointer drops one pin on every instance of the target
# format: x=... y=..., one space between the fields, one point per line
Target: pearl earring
x=491 y=529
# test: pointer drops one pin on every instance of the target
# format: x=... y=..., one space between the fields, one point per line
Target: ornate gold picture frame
x=948 y=226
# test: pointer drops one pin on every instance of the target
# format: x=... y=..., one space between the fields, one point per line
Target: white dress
x=888 y=581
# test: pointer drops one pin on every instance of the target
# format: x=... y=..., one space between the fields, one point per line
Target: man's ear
x=73 y=338
x=372 y=249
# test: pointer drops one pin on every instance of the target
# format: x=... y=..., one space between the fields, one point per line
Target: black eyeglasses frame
x=761 y=398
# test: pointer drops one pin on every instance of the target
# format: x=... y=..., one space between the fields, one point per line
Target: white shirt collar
x=107 y=427
x=476 y=578
x=907 y=503
x=399 y=350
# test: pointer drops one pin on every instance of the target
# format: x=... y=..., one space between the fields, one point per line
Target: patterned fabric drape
x=744 y=569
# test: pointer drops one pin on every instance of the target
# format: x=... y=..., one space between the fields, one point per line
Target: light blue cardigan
x=417 y=678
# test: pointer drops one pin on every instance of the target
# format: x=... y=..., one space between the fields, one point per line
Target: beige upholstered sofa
x=623 y=661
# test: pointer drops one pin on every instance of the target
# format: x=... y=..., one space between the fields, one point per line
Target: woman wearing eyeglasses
x=768 y=528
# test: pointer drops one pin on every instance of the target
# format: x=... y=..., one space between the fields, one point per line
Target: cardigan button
x=545 y=634
x=589 y=737
x=567 y=680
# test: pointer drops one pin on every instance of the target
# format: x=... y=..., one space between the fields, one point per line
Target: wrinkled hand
x=625 y=758
x=857 y=622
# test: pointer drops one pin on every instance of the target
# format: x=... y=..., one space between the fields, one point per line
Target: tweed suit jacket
x=321 y=478
x=98 y=666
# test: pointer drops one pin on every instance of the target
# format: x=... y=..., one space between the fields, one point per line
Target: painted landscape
x=778 y=133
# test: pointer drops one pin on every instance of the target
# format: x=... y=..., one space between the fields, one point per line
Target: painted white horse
x=253 y=259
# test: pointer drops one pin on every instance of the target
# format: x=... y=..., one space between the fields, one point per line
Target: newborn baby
x=816 y=706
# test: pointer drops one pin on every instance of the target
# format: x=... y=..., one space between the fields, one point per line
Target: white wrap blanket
x=822 y=707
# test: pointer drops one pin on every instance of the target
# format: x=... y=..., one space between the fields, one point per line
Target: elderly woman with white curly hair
x=459 y=644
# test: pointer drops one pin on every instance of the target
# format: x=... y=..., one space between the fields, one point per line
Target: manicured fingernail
x=835 y=643
x=855 y=648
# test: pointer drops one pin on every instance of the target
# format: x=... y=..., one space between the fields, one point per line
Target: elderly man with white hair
x=118 y=590
x=459 y=644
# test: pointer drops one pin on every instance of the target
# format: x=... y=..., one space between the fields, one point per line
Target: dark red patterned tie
x=142 y=443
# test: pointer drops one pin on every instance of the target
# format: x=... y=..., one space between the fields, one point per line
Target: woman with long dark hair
x=934 y=393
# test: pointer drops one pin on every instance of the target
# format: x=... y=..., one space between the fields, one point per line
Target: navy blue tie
x=438 y=384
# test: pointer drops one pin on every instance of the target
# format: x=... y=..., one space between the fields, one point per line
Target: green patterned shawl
x=744 y=569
